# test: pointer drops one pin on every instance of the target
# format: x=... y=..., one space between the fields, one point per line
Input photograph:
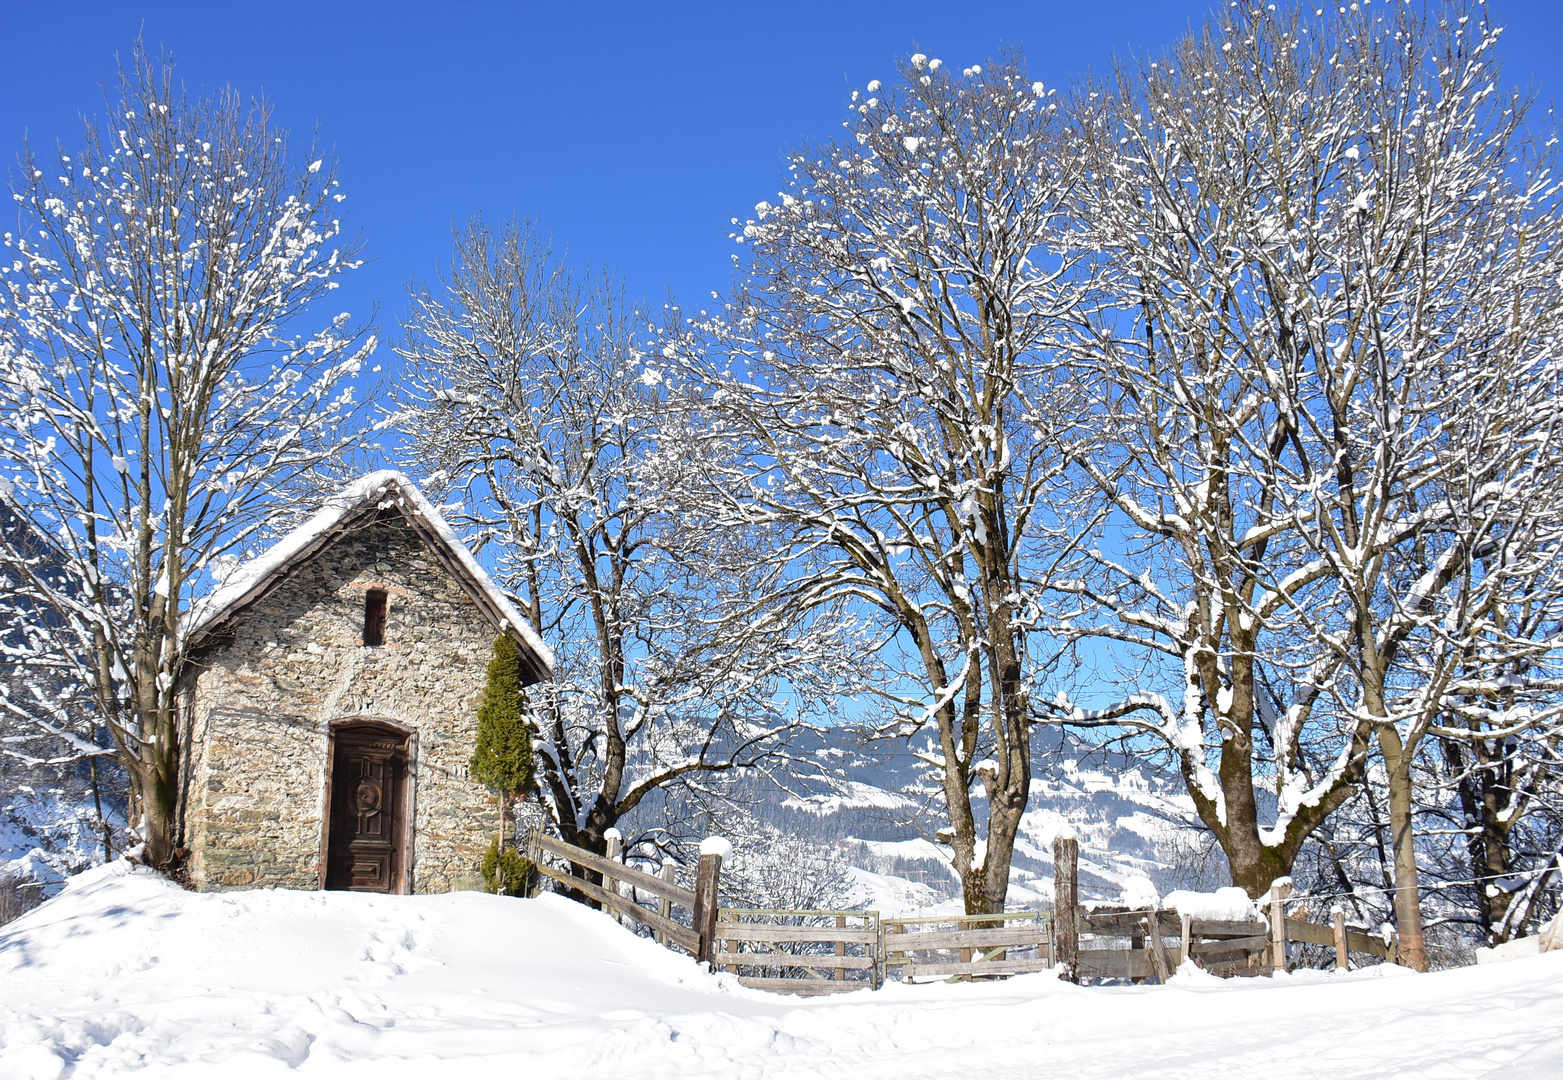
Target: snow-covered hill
x=1132 y=824
x=126 y=975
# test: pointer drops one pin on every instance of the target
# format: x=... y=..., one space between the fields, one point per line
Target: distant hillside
x=1131 y=822
x=49 y=823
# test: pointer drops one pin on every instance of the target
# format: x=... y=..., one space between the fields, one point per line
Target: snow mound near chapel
x=124 y=974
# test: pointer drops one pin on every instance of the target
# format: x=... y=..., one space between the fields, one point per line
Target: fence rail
x=1356 y=941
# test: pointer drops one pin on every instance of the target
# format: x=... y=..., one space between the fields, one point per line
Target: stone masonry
x=266 y=693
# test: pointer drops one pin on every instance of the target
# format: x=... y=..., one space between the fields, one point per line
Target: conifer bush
x=502 y=760
x=505 y=870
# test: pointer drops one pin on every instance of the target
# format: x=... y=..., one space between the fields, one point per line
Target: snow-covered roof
x=378 y=490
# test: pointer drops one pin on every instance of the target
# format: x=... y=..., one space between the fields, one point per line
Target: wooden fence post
x=708 y=876
x=841 y=947
x=876 y=974
x=616 y=854
x=1066 y=901
x=1279 y=891
x=666 y=908
x=1158 y=956
x=1185 y=946
x=1338 y=919
x=534 y=884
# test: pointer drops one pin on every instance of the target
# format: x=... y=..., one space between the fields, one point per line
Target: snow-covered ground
x=124 y=974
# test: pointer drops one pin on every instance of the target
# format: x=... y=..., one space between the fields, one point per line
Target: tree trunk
x=155 y=776
x=1408 y=893
x=985 y=881
x=1254 y=865
x=499 y=851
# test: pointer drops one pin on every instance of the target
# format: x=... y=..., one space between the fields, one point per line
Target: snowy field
x=125 y=974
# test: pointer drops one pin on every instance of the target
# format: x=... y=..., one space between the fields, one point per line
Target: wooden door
x=366 y=842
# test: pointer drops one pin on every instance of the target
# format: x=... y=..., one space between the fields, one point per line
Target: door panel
x=365 y=843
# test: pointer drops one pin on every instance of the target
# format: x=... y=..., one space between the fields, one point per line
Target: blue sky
x=632 y=132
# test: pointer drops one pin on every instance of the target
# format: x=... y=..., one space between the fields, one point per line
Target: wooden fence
x=1120 y=943
x=605 y=891
x=832 y=952
x=827 y=952
x=1342 y=939
x=1222 y=947
x=1114 y=942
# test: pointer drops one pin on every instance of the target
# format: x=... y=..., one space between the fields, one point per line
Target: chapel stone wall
x=265 y=701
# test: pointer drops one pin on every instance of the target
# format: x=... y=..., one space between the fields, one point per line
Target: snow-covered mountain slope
x=126 y=975
x=47 y=834
x=1132 y=823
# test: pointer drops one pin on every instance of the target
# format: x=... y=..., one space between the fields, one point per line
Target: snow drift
x=125 y=974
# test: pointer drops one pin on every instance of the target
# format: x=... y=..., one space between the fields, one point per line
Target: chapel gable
x=333 y=700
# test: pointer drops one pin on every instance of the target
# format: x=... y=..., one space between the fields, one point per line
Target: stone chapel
x=331 y=701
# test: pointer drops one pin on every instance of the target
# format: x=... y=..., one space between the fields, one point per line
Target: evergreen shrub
x=517 y=869
x=502 y=759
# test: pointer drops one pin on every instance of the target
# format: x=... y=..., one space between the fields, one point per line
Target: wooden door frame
x=405 y=794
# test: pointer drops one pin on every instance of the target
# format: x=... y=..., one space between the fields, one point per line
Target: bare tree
x=529 y=395
x=875 y=380
x=1498 y=797
x=1330 y=376
x=157 y=405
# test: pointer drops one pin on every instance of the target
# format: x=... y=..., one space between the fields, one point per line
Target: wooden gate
x=800 y=952
x=967 y=946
